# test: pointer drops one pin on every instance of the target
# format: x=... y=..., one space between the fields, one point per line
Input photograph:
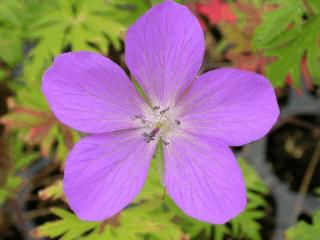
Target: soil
x=290 y=148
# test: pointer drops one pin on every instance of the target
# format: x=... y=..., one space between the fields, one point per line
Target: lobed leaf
x=285 y=35
x=305 y=231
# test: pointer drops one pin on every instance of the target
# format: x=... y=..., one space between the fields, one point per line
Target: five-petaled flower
x=195 y=118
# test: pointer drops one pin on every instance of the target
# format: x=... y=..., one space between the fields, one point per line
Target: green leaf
x=276 y=22
x=15 y=17
x=3 y=74
x=79 y=25
x=37 y=125
x=30 y=96
x=153 y=188
x=285 y=35
x=156 y=224
x=20 y=120
x=14 y=182
x=11 y=184
x=11 y=31
x=10 y=46
x=19 y=155
x=315 y=5
x=220 y=231
x=19 y=158
x=305 y=231
x=68 y=227
x=52 y=192
x=153 y=220
x=246 y=224
x=3 y=195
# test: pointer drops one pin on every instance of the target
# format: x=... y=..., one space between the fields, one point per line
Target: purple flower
x=196 y=119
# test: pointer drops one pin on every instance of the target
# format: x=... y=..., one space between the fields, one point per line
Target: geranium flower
x=195 y=118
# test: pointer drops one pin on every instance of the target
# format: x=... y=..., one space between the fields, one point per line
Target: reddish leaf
x=193 y=7
x=252 y=62
x=41 y=127
x=240 y=36
x=217 y=11
x=306 y=76
x=252 y=16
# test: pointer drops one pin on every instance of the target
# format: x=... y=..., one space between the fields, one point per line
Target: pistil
x=157 y=122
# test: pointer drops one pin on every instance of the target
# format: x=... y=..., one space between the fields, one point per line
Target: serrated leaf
x=315 y=5
x=276 y=22
x=10 y=47
x=30 y=114
x=8 y=190
x=122 y=226
x=153 y=220
x=3 y=74
x=305 y=231
x=246 y=224
x=69 y=227
x=13 y=181
x=220 y=231
x=20 y=156
x=289 y=61
x=52 y=192
x=78 y=25
x=287 y=37
x=10 y=32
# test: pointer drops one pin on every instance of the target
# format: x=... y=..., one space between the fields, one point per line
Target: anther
x=177 y=122
x=164 y=110
x=156 y=108
x=150 y=136
x=139 y=117
x=165 y=143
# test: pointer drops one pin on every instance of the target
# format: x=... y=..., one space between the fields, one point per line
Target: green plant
x=290 y=32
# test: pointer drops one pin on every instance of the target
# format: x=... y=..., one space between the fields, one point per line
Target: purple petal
x=164 y=51
x=233 y=105
x=105 y=172
x=204 y=179
x=90 y=93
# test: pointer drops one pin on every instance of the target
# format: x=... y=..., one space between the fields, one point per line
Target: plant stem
x=31 y=214
x=306 y=181
x=308 y=8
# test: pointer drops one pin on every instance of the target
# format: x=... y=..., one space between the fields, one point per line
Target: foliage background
x=277 y=38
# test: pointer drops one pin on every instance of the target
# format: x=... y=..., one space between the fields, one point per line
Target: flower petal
x=105 y=172
x=234 y=105
x=204 y=179
x=164 y=51
x=90 y=93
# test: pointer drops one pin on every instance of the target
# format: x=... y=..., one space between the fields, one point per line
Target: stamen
x=150 y=136
x=164 y=110
x=158 y=123
x=139 y=117
x=147 y=137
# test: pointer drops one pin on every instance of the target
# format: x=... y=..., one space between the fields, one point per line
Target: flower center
x=158 y=122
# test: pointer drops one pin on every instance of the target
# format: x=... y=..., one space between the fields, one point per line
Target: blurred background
x=276 y=38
